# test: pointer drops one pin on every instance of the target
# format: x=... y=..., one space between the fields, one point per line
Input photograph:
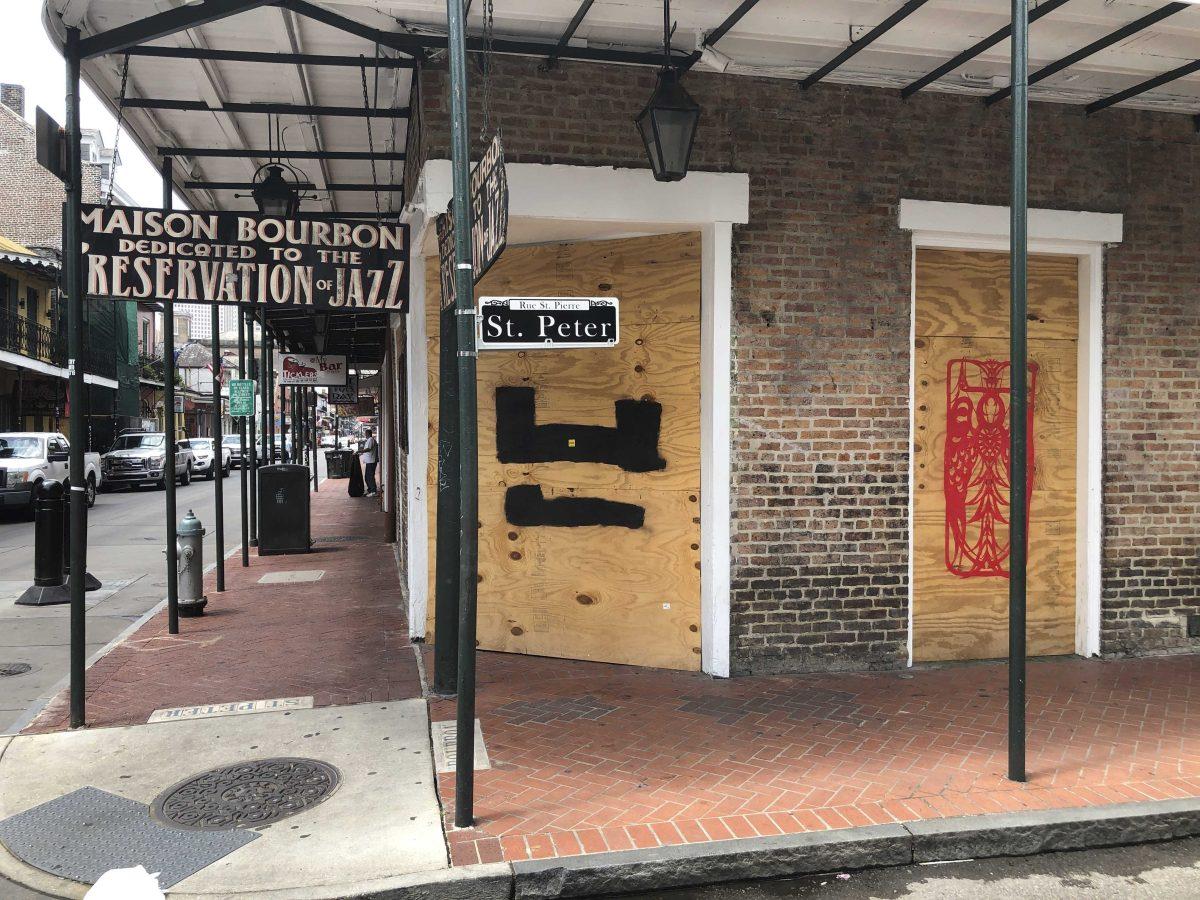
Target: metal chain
x=370 y=138
x=489 y=27
x=112 y=172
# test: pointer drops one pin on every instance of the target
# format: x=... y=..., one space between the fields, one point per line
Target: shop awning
x=335 y=80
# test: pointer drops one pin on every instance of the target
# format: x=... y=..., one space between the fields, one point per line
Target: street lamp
x=274 y=194
x=668 y=122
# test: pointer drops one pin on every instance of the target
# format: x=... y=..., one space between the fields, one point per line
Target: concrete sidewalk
x=602 y=778
x=319 y=642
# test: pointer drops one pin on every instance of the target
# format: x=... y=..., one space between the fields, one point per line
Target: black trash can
x=284 y=524
x=337 y=463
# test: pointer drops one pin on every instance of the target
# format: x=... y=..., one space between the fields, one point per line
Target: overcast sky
x=28 y=57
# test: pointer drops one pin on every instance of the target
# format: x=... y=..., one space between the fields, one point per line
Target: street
x=1162 y=871
x=126 y=537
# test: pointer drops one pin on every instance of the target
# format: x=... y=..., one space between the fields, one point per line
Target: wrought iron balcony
x=31 y=339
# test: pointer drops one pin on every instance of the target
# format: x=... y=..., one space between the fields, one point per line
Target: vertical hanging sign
x=489 y=220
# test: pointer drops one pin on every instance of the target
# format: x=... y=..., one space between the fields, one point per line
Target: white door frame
x=575 y=203
x=967 y=226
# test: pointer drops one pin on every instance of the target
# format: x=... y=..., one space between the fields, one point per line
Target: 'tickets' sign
x=310 y=369
x=201 y=257
x=547 y=323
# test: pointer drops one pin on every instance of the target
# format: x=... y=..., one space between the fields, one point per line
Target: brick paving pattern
x=342 y=639
x=589 y=757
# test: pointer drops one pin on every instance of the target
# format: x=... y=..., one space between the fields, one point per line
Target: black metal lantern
x=669 y=121
x=274 y=194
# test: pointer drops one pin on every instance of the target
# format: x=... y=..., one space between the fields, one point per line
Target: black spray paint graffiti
x=632 y=445
x=525 y=505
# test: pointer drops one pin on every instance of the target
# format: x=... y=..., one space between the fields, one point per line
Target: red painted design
x=977 y=469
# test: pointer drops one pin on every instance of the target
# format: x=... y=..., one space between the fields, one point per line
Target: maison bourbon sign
x=321 y=265
x=547 y=323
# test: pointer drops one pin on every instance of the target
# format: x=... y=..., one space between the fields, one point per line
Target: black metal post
x=270 y=376
x=218 y=459
x=283 y=424
x=1018 y=388
x=241 y=337
x=468 y=465
x=251 y=427
x=445 y=610
x=316 y=449
x=73 y=279
x=169 y=428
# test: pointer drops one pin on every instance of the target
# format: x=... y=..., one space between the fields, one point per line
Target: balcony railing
x=31 y=339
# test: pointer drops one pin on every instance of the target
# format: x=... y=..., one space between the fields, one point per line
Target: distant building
x=31 y=220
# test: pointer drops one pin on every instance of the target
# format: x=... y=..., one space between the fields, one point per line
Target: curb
x=686 y=865
x=874 y=846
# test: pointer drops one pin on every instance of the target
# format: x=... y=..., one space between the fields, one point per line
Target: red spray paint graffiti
x=977 y=470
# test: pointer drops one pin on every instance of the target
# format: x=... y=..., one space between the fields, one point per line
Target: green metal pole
x=217 y=428
x=445 y=611
x=316 y=449
x=252 y=426
x=468 y=451
x=169 y=430
x=242 y=420
x=1018 y=392
x=270 y=342
x=73 y=279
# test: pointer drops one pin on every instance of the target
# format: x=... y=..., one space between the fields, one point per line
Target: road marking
x=445 y=744
x=237 y=708
x=292 y=577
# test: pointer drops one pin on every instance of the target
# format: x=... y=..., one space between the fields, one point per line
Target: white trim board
x=964 y=226
x=560 y=202
x=968 y=219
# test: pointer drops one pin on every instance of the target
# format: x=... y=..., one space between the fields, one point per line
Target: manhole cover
x=8 y=669
x=247 y=794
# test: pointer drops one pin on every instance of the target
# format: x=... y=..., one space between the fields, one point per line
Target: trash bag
x=126 y=884
x=355 y=488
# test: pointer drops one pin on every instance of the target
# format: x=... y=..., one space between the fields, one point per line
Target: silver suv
x=140 y=457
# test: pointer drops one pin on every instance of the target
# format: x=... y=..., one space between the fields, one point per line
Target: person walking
x=369 y=452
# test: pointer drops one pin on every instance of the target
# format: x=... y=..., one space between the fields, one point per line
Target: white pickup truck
x=30 y=457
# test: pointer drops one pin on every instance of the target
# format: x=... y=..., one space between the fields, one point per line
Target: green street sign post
x=241 y=397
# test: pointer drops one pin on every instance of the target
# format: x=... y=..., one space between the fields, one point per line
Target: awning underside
x=335 y=80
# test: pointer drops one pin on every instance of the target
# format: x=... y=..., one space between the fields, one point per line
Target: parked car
x=233 y=443
x=28 y=458
x=206 y=464
x=283 y=450
x=140 y=457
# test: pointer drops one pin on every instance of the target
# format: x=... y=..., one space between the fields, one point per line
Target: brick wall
x=30 y=197
x=821 y=331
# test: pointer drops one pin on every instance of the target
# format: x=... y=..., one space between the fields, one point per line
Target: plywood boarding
x=601 y=593
x=962 y=313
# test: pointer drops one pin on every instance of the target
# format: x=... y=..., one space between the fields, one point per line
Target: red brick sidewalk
x=589 y=757
x=342 y=639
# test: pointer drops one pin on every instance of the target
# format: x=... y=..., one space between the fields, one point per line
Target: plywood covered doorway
x=960 y=453
x=609 y=593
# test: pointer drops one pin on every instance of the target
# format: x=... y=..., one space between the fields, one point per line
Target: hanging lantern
x=668 y=127
x=668 y=123
x=274 y=194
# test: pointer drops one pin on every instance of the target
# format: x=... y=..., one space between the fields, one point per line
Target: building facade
x=31 y=215
x=864 y=340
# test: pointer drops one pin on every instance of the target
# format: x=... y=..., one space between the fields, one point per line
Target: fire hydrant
x=189 y=549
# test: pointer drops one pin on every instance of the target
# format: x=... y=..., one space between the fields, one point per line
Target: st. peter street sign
x=547 y=323
x=248 y=259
